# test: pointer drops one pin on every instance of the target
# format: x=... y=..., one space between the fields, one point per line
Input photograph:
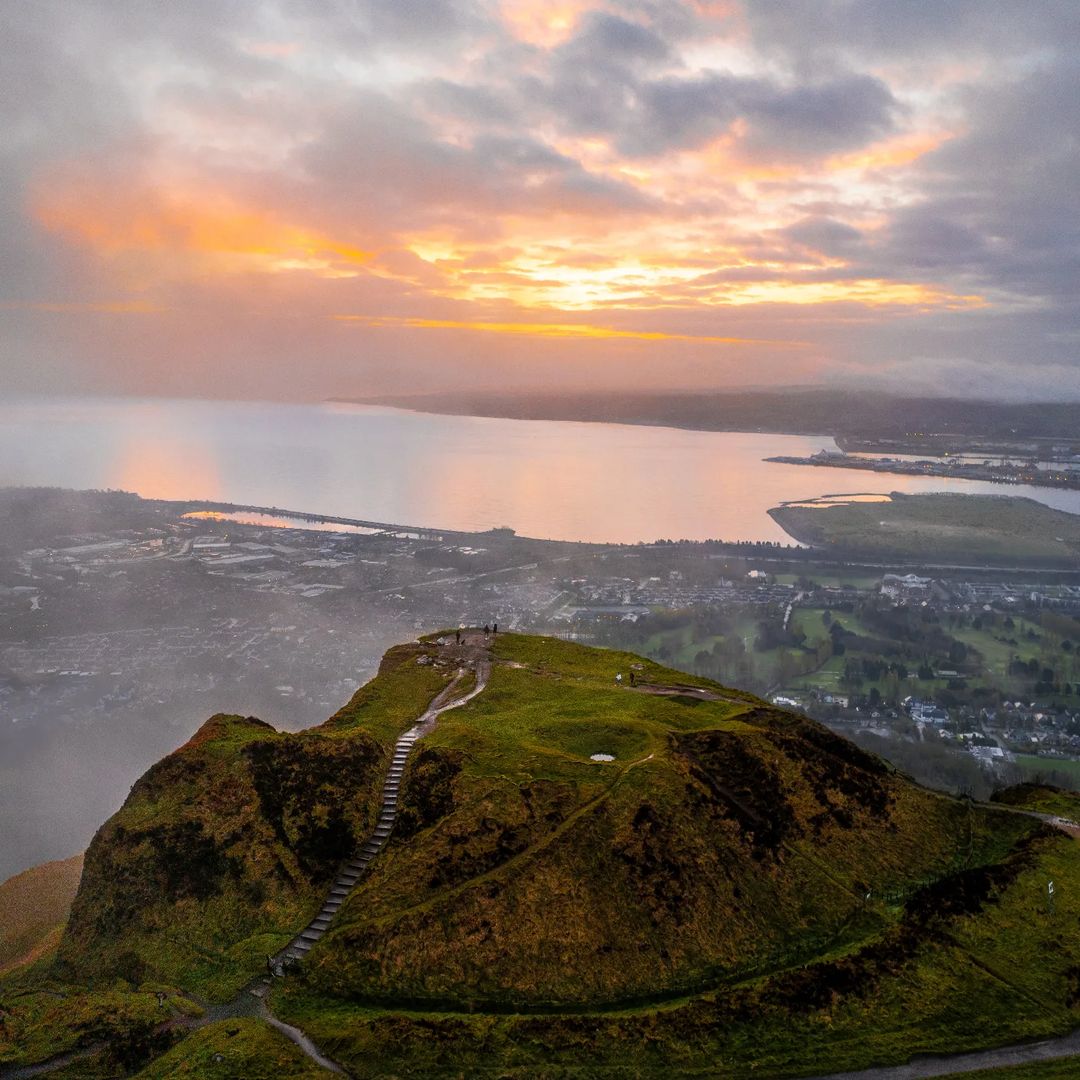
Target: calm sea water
x=567 y=481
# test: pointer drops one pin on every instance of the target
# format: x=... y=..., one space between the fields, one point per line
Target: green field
x=998 y=529
x=1036 y=765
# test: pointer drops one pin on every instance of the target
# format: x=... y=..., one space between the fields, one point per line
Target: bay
x=561 y=480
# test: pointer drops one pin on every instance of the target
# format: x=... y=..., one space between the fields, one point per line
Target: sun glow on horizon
x=557 y=330
x=443 y=206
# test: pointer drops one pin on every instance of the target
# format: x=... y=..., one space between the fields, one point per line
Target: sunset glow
x=176 y=225
x=555 y=330
x=565 y=171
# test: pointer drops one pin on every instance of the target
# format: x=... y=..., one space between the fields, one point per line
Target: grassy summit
x=737 y=892
x=725 y=838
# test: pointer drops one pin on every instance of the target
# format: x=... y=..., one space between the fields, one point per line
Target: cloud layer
x=300 y=199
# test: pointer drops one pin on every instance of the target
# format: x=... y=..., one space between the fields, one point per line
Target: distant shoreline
x=620 y=422
x=927 y=425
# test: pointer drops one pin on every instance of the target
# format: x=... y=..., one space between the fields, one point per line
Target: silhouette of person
x=458 y=637
x=495 y=628
x=632 y=677
x=487 y=630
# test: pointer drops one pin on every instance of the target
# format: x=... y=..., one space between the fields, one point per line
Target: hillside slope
x=223 y=846
x=586 y=878
x=34 y=907
x=725 y=836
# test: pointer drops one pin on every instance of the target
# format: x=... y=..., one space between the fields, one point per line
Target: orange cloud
x=724 y=157
x=206 y=224
x=542 y=22
x=555 y=277
x=871 y=292
x=890 y=153
x=556 y=330
x=530 y=260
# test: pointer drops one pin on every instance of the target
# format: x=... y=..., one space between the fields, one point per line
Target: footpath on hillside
x=926 y=1067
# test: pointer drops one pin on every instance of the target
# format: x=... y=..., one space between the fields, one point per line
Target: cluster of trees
x=1044 y=679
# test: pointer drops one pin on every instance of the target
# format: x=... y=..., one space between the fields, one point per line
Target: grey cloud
x=610 y=39
x=992 y=211
x=810 y=32
x=389 y=167
x=467 y=102
x=411 y=22
x=619 y=79
x=824 y=234
x=1000 y=200
x=678 y=113
x=819 y=118
x=652 y=116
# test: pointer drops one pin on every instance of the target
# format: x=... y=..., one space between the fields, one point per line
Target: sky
x=296 y=200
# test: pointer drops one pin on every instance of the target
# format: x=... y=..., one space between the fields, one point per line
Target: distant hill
x=798 y=410
x=586 y=878
x=34 y=906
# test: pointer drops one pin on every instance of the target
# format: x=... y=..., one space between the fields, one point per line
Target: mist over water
x=551 y=479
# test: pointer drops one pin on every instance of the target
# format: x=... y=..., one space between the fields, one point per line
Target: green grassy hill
x=736 y=892
x=726 y=837
x=34 y=907
x=223 y=846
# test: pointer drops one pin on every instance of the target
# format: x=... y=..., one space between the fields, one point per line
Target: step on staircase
x=353 y=870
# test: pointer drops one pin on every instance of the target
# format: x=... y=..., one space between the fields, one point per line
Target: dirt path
x=43 y=1068
x=922 y=1068
x=695 y=692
